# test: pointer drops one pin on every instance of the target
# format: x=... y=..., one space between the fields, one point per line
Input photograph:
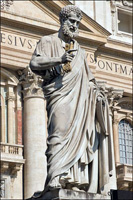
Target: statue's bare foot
x=54 y=184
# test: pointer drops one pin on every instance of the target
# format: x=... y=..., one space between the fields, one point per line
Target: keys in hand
x=67 y=58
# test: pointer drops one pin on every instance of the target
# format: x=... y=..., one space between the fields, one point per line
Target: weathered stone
x=65 y=194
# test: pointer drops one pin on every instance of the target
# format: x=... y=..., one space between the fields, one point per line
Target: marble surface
x=64 y=194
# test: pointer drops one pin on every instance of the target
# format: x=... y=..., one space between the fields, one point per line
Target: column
x=10 y=104
x=113 y=95
x=34 y=134
x=2 y=114
x=116 y=138
x=19 y=139
x=113 y=180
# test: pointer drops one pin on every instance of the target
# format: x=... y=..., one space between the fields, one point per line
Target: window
x=125 y=142
x=124 y=21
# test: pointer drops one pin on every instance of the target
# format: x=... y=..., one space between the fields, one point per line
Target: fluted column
x=113 y=95
x=10 y=104
x=34 y=133
x=116 y=141
x=2 y=122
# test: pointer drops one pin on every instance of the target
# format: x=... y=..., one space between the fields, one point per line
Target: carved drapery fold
x=113 y=95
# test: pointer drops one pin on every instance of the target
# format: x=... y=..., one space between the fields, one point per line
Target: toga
x=78 y=151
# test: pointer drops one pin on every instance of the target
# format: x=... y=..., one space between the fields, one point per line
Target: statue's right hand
x=67 y=57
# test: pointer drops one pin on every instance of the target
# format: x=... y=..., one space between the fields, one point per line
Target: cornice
x=42 y=5
x=25 y=21
x=97 y=28
x=116 y=42
x=117 y=49
x=41 y=26
x=10 y=15
x=92 y=37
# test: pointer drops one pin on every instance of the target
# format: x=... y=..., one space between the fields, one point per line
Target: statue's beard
x=67 y=31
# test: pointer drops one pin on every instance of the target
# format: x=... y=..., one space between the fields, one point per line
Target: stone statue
x=79 y=154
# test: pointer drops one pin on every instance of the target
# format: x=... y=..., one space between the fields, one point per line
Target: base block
x=65 y=194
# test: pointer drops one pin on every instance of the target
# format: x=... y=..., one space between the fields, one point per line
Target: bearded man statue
x=79 y=154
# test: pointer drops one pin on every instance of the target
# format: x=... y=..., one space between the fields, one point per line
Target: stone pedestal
x=34 y=133
x=64 y=194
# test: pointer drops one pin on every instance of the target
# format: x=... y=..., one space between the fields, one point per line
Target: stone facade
x=109 y=56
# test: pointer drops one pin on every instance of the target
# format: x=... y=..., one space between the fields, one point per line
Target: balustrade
x=124 y=177
x=11 y=149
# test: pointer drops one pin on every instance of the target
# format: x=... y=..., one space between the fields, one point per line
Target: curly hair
x=65 y=11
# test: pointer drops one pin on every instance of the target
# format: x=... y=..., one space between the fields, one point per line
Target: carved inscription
x=28 y=44
x=17 y=41
x=110 y=66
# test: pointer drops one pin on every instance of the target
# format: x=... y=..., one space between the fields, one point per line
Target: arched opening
x=125 y=141
x=9 y=107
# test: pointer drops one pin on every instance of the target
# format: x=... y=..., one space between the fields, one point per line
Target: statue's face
x=70 y=25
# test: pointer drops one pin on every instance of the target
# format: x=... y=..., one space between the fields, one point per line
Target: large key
x=67 y=66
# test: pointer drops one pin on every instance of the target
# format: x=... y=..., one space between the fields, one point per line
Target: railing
x=123 y=170
x=11 y=149
x=11 y=157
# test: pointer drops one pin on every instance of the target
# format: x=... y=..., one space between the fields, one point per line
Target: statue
x=79 y=154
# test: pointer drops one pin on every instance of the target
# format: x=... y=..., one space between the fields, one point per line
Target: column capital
x=112 y=94
x=116 y=121
x=31 y=83
x=10 y=96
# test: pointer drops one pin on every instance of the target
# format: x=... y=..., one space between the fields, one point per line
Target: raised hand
x=68 y=56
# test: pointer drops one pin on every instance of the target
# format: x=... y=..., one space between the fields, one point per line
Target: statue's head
x=70 y=17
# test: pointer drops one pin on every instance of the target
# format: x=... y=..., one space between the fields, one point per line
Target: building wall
x=109 y=57
x=112 y=16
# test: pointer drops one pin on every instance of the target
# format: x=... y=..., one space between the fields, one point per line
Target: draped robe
x=78 y=151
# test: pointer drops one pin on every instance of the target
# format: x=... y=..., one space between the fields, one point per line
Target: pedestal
x=64 y=194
